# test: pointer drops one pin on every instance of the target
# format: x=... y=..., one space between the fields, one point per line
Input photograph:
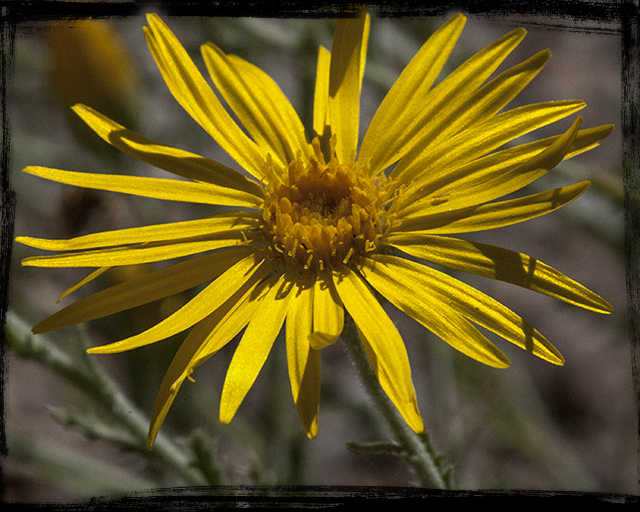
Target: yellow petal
x=143 y=289
x=483 y=104
x=194 y=94
x=259 y=103
x=231 y=187
x=204 y=340
x=420 y=196
x=198 y=308
x=303 y=361
x=157 y=188
x=175 y=376
x=481 y=139
x=82 y=282
x=255 y=345
x=406 y=96
x=429 y=284
x=235 y=314
x=385 y=348
x=348 y=55
x=435 y=315
x=499 y=173
x=220 y=223
x=321 y=96
x=144 y=253
x=308 y=402
x=492 y=215
x=430 y=114
x=498 y=263
x=328 y=314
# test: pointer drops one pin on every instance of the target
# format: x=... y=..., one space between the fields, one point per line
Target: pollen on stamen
x=323 y=213
x=348 y=256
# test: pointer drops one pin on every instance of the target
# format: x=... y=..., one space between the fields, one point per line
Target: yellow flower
x=319 y=227
x=89 y=63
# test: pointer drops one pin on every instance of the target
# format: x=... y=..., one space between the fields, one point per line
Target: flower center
x=322 y=213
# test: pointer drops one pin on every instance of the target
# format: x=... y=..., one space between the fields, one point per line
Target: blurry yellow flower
x=89 y=63
x=319 y=226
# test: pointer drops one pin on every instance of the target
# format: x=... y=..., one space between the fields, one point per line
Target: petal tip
x=151 y=439
x=152 y=17
x=605 y=307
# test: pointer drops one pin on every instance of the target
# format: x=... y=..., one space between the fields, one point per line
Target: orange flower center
x=322 y=213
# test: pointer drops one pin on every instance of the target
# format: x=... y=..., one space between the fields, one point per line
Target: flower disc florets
x=321 y=213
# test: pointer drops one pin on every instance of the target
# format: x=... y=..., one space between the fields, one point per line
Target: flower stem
x=90 y=378
x=414 y=448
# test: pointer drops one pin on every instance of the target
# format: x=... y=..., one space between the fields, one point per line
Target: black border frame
x=579 y=15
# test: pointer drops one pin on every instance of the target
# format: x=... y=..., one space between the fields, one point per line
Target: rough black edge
x=556 y=14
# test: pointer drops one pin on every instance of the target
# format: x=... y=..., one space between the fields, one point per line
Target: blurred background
x=532 y=426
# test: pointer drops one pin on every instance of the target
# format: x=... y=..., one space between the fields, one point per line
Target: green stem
x=93 y=381
x=415 y=450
